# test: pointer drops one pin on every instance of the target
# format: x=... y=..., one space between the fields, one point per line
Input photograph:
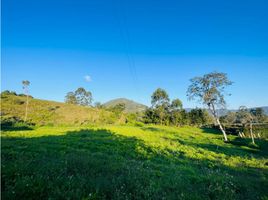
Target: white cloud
x=88 y=78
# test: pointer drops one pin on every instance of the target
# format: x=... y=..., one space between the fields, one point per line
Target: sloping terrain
x=126 y=162
x=42 y=112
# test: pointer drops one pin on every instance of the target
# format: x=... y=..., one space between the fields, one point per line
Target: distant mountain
x=131 y=106
x=222 y=112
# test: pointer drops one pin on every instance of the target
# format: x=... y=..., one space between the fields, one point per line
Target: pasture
x=131 y=162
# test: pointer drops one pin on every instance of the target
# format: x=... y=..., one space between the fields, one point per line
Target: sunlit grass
x=127 y=162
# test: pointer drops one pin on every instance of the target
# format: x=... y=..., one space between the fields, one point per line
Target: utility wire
x=124 y=32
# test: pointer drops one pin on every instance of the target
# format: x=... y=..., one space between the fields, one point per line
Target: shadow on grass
x=204 y=130
x=241 y=147
x=261 y=144
x=16 y=128
x=15 y=124
x=152 y=129
x=211 y=131
x=99 y=164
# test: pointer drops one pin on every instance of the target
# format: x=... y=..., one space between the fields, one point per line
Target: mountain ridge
x=131 y=106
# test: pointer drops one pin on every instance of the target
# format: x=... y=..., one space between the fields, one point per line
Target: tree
x=83 y=97
x=175 y=112
x=244 y=117
x=79 y=97
x=259 y=114
x=161 y=113
x=209 y=89
x=98 y=105
x=160 y=103
x=184 y=120
x=176 y=104
x=25 y=86
x=199 y=117
x=70 y=98
x=230 y=117
x=118 y=108
x=7 y=92
x=149 y=116
x=159 y=97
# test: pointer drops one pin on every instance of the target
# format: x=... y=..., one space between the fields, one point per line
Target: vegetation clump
x=164 y=112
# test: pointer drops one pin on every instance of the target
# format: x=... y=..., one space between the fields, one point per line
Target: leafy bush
x=53 y=108
x=15 y=123
x=139 y=124
x=7 y=92
x=18 y=101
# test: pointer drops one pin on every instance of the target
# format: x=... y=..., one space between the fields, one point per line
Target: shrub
x=139 y=124
x=15 y=123
x=7 y=92
x=18 y=101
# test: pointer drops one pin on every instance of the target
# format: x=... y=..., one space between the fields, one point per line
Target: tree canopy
x=79 y=97
x=210 y=90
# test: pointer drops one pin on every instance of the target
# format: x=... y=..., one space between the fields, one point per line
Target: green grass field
x=125 y=162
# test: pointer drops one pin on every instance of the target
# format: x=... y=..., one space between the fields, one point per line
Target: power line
x=124 y=32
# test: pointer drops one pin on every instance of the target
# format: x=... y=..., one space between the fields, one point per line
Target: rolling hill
x=131 y=106
x=43 y=112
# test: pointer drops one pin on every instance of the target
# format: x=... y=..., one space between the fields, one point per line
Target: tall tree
x=83 y=97
x=176 y=104
x=197 y=117
x=25 y=86
x=160 y=103
x=149 y=116
x=159 y=97
x=79 y=97
x=245 y=117
x=70 y=98
x=229 y=118
x=175 y=112
x=209 y=89
x=259 y=114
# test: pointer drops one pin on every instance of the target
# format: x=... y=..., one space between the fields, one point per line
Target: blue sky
x=130 y=48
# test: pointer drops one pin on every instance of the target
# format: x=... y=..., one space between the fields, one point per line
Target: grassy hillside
x=131 y=106
x=125 y=162
x=43 y=112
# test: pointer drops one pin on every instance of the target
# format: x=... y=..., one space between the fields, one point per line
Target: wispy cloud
x=88 y=78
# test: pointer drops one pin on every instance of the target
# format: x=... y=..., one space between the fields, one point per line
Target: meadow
x=131 y=162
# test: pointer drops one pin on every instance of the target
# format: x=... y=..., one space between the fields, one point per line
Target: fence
x=260 y=130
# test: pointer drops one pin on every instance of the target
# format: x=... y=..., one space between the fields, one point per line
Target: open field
x=134 y=100
x=127 y=162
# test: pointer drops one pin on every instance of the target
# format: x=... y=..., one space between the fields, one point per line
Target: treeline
x=8 y=92
x=208 y=89
x=245 y=116
x=163 y=111
x=246 y=121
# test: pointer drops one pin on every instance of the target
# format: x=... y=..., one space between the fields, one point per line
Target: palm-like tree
x=25 y=86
